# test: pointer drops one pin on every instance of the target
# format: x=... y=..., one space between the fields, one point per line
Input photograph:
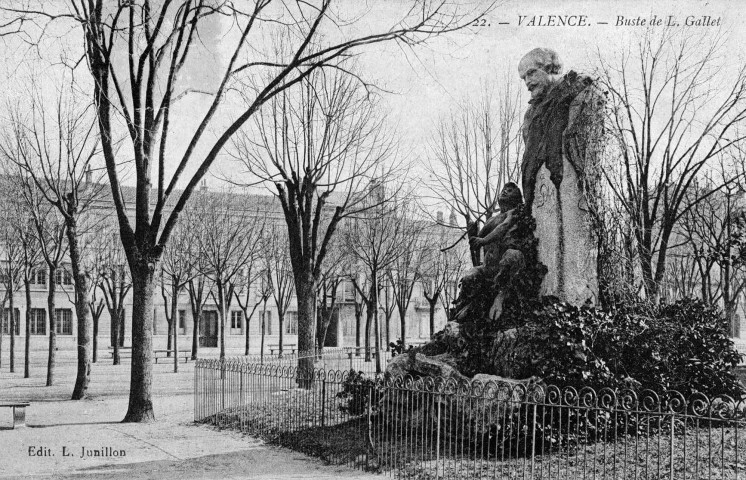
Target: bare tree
x=55 y=147
x=198 y=287
x=279 y=274
x=404 y=270
x=96 y=307
x=476 y=150
x=265 y=291
x=227 y=239
x=669 y=121
x=318 y=145
x=457 y=266
x=388 y=306
x=334 y=272
x=440 y=266
x=12 y=267
x=377 y=238
x=714 y=248
x=249 y=278
x=51 y=234
x=177 y=269
x=114 y=282
x=24 y=229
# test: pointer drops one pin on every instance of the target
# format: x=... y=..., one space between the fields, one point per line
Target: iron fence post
x=323 y=402
x=533 y=441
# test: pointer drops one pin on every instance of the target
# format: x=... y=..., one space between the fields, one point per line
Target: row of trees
x=227 y=252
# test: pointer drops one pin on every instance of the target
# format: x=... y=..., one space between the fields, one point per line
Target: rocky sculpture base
x=439 y=395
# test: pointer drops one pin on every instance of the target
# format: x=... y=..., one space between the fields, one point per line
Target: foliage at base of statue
x=357 y=391
x=683 y=346
x=397 y=347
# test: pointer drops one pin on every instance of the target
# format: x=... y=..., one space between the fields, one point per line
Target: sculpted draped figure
x=562 y=129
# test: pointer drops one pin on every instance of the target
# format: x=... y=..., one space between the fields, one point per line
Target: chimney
x=203 y=187
x=88 y=175
x=452 y=218
x=439 y=217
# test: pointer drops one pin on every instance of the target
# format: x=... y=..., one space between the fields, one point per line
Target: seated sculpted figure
x=480 y=286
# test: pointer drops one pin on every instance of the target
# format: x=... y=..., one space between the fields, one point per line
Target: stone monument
x=541 y=245
x=561 y=131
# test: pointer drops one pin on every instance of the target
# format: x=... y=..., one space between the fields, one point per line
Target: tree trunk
x=12 y=325
x=195 y=302
x=246 y=332
x=221 y=311
x=358 y=320
x=27 y=346
x=305 y=288
x=195 y=332
x=169 y=323
x=95 y=336
x=175 y=321
x=264 y=331
x=81 y=310
x=403 y=324
x=281 y=326
x=646 y=266
x=432 y=303
x=140 y=408
x=113 y=329
x=377 y=333
x=52 y=325
x=370 y=311
x=116 y=321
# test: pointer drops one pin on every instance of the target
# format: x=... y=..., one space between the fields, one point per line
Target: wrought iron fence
x=333 y=358
x=447 y=429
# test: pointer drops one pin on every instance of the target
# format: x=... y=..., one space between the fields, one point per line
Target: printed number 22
x=480 y=22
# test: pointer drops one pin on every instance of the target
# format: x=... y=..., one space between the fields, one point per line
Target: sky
x=420 y=85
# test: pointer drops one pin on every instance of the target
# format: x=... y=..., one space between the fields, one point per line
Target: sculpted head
x=539 y=69
x=510 y=197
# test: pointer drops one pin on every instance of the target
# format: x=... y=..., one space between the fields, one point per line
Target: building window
x=17 y=323
x=291 y=323
x=236 y=321
x=349 y=291
x=38 y=323
x=182 y=321
x=64 y=318
x=268 y=321
x=40 y=276
x=63 y=277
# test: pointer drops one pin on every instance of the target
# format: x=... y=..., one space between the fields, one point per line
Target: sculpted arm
x=497 y=233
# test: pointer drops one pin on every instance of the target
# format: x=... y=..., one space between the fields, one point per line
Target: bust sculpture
x=561 y=132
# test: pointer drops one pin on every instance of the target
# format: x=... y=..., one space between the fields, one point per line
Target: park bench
x=359 y=351
x=123 y=352
x=185 y=354
x=19 y=412
x=286 y=348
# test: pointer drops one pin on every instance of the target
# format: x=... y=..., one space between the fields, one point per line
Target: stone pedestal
x=566 y=244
